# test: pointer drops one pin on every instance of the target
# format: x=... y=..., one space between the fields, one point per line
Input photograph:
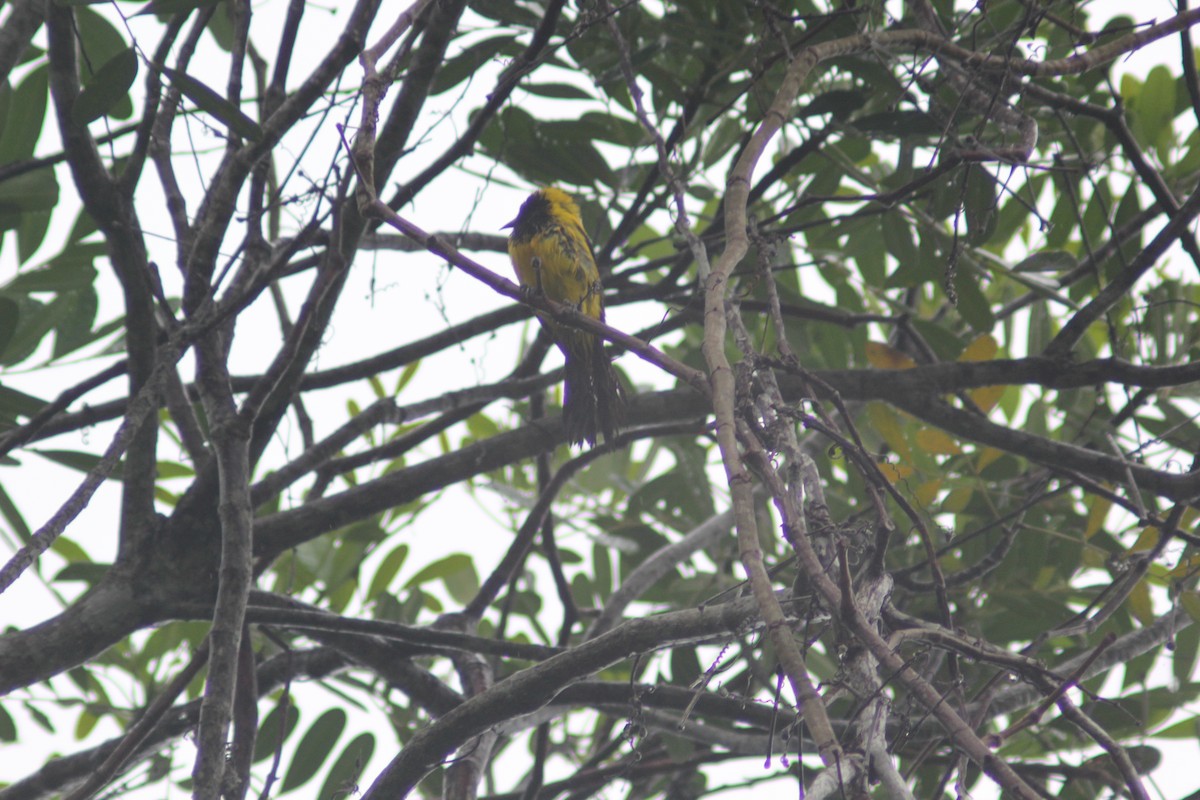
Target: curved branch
x=61 y=775
x=116 y=216
x=278 y=532
x=107 y=613
x=656 y=566
x=530 y=689
x=496 y=99
x=23 y=20
x=1179 y=487
x=1060 y=346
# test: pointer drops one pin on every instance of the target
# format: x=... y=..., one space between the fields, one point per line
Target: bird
x=553 y=257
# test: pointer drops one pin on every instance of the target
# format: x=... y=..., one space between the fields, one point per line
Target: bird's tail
x=592 y=397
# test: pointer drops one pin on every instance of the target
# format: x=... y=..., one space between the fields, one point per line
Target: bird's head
x=539 y=208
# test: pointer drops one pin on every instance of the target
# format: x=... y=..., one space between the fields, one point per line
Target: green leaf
x=456 y=571
x=38 y=716
x=685 y=666
x=8 y=728
x=31 y=233
x=405 y=376
x=568 y=151
x=86 y=722
x=1133 y=714
x=172 y=469
x=82 y=572
x=980 y=205
x=728 y=133
x=24 y=117
x=840 y=103
x=862 y=244
x=75 y=329
x=506 y=12
x=898 y=123
x=582 y=591
x=208 y=100
x=1047 y=261
x=169 y=8
x=270 y=735
x=1187 y=646
x=71 y=552
x=556 y=151
x=898 y=239
x=972 y=303
x=342 y=781
x=34 y=322
x=220 y=27
x=680 y=498
x=19 y=404
x=84 y=227
x=1154 y=111
x=314 y=748
x=10 y=315
x=5 y=104
x=602 y=577
x=160 y=642
x=463 y=584
x=84 y=462
x=30 y=191
x=388 y=568
x=13 y=516
x=1184 y=729
x=523 y=604
x=458 y=68
x=945 y=197
x=70 y=271
x=1097 y=212
x=1063 y=219
x=99 y=41
x=557 y=91
x=341 y=571
x=106 y=88
x=611 y=128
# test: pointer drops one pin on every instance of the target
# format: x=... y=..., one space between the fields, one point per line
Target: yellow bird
x=553 y=256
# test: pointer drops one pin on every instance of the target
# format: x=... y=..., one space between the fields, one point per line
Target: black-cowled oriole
x=553 y=256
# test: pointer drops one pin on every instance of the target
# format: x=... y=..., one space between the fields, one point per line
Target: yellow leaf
x=1139 y=603
x=1188 y=521
x=927 y=492
x=1157 y=575
x=936 y=442
x=1097 y=513
x=986 y=397
x=1146 y=540
x=982 y=349
x=987 y=457
x=895 y=472
x=1044 y=577
x=1184 y=568
x=885 y=356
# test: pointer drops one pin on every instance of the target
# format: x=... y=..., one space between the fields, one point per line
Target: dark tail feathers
x=592 y=395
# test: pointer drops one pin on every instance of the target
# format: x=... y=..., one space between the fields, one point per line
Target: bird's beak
x=508 y=224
